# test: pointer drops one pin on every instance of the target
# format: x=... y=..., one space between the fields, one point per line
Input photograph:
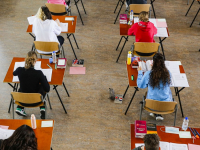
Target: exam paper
x=31 y=19
x=193 y=147
x=180 y=80
x=173 y=66
x=64 y=27
x=161 y=23
x=47 y=124
x=47 y=73
x=153 y=20
x=164 y=145
x=4 y=133
x=161 y=32
x=139 y=144
x=185 y=134
x=174 y=146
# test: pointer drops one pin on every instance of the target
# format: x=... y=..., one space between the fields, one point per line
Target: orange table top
x=44 y=135
x=57 y=74
x=166 y=137
x=133 y=71
x=71 y=28
x=124 y=29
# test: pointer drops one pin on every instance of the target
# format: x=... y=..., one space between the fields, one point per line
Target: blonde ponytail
x=143 y=16
x=30 y=59
x=40 y=14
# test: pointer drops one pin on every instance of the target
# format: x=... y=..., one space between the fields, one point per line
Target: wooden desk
x=167 y=137
x=133 y=71
x=124 y=34
x=44 y=135
x=71 y=29
x=56 y=79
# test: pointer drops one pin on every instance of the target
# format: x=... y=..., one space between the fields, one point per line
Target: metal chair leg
x=195 y=17
x=175 y=115
x=49 y=101
x=189 y=8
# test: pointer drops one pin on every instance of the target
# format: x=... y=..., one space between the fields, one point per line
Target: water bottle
x=54 y=56
x=185 y=123
x=131 y=15
x=129 y=58
x=33 y=121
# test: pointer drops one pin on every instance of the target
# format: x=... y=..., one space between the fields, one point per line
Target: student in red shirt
x=143 y=30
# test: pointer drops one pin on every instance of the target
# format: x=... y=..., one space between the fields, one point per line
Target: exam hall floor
x=93 y=121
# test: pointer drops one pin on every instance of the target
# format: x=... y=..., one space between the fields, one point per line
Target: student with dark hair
x=23 y=138
x=144 y=30
x=31 y=81
x=157 y=80
x=46 y=29
x=151 y=142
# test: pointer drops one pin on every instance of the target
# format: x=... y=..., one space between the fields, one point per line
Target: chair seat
x=57 y=53
x=158 y=112
x=144 y=54
x=41 y=104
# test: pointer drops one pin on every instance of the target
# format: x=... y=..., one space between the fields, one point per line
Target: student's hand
x=139 y=68
x=142 y=147
x=58 y=22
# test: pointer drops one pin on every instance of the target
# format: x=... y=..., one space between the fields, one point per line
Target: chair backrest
x=56 y=8
x=160 y=106
x=138 y=8
x=46 y=46
x=146 y=49
x=27 y=98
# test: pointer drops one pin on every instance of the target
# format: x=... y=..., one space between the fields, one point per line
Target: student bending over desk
x=143 y=30
x=46 y=29
x=64 y=2
x=31 y=81
x=157 y=80
x=23 y=138
x=151 y=142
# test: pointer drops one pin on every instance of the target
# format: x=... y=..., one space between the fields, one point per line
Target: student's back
x=136 y=2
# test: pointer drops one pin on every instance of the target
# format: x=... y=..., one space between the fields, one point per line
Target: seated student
x=151 y=142
x=46 y=29
x=31 y=81
x=157 y=80
x=143 y=30
x=136 y=2
x=23 y=138
x=64 y=2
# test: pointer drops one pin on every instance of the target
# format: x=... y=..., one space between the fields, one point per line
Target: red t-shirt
x=143 y=31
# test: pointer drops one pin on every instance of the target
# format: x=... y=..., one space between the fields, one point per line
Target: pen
x=195 y=134
x=132 y=77
x=55 y=66
x=49 y=66
x=192 y=131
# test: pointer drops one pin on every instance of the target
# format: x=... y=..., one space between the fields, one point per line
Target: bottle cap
x=186 y=118
x=129 y=52
x=53 y=51
x=131 y=10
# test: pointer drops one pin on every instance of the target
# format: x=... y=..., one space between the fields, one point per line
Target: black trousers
x=60 y=39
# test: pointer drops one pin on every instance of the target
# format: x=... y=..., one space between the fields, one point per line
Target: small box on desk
x=78 y=63
x=140 y=128
x=61 y=63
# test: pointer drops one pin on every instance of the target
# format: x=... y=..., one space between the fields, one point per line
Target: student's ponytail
x=30 y=59
x=143 y=16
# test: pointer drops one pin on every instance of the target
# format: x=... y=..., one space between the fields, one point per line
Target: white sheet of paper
x=153 y=20
x=185 y=134
x=161 y=32
x=61 y=61
x=136 y=20
x=5 y=133
x=139 y=144
x=64 y=27
x=47 y=124
x=69 y=18
x=31 y=19
x=37 y=65
x=174 y=146
x=173 y=66
x=161 y=20
x=180 y=80
x=172 y=130
x=47 y=73
x=164 y=145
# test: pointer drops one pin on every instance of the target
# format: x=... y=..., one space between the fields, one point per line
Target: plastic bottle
x=185 y=123
x=131 y=15
x=54 y=56
x=33 y=121
x=129 y=58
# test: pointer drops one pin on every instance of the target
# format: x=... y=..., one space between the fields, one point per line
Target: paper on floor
x=77 y=70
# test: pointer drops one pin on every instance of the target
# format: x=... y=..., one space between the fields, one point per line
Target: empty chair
x=138 y=8
x=58 y=9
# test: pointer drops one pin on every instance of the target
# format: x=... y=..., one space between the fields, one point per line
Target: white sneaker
x=152 y=115
x=159 y=117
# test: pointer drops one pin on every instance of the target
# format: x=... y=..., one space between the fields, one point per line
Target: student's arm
x=132 y=30
x=16 y=72
x=142 y=80
x=155 y=30
x=44 y=82
x=56 y=28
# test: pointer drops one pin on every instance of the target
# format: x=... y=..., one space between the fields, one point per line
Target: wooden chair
x=138 y=8
x=158 y=107
x=145 y=49
x=48 y=47
x=27 y=98
x=58 y=9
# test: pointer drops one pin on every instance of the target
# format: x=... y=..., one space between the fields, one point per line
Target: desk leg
x=177 y=93
x=68 y=36
x=83 y=6
x=78 y=11
x=195 y=17
x=126 y=91
x=119 y=10
x=59 y=98
x=189 y=8
x=162 y=46
x=75 y=41
x=126 y=39
x=136 y=89
x=49 y=101
x=14 y=88
x=153 y=8
x=119 y=42
x=66 y=89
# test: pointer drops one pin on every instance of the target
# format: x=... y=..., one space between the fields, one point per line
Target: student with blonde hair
x=45 y=28
x=31 y=81
x=143 y=30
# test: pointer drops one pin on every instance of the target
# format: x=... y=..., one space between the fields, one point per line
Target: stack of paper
x=5 y=133
x=193 y=147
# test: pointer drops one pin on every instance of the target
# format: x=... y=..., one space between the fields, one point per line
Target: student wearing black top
x=23 y=138
x=128 y=2
x=31 y=81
